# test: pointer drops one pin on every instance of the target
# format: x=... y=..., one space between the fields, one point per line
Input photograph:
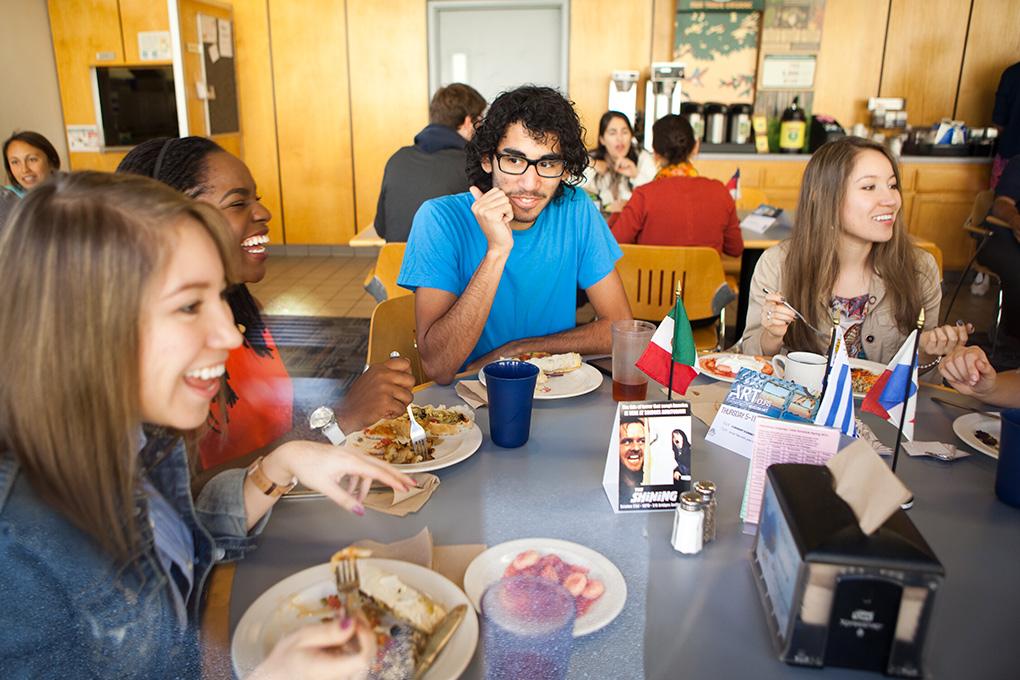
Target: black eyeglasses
x=549 y=168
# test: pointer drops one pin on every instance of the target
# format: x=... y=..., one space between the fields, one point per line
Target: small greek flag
x=837 y=408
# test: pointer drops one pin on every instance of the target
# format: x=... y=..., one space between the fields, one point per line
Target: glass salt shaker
x=706 y=490
x=689 y=524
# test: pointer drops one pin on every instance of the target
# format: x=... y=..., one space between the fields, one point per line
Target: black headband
x=159 y=158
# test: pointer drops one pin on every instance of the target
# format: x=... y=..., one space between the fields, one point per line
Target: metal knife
x=437 y=641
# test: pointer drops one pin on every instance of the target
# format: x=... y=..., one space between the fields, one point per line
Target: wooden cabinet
x=138 y=16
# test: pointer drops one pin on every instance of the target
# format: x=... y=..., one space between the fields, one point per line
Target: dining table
x=685 y=615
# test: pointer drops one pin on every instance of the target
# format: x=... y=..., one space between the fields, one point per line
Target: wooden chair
x=393 y=329
x=978 y=224
x=382 y=282
x=936 y=252
x=650 y=275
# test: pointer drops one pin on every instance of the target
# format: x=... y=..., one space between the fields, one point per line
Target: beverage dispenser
x=623 y=91
x=662 y=94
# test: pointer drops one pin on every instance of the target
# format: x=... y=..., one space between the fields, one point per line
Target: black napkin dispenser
x=832 y=595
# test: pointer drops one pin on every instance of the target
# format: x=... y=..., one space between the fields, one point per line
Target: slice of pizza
x=558 y=364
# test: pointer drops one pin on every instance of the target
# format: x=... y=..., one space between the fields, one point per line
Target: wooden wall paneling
x=923 y=53
x=137 y=16
x=939 y=218
x=663 y=29
x=257 y=109
x=309 y=54
x=993 y=43
x=389 y=92
x=83 y=30
x=188 y=12
x=849 y=64
x=722 y=170
x=604 y=38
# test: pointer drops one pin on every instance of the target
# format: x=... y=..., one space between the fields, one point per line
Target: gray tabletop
x=696 y=616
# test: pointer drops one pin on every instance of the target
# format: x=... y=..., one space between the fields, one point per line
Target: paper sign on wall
x=648 y=464
x=82 y=138
x=226 y=38
x=154 y=45
x=207 y=29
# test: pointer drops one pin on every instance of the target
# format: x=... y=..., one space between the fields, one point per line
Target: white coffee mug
x=803 y=368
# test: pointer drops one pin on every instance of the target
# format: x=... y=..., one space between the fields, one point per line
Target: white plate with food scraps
x=449 y=450
x=491 y=566
x=580 y=381
x=296 y=601
x=725 y=366
x=976 y=429
x=864 y=375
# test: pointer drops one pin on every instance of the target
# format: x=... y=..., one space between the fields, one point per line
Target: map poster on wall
x=720 y=49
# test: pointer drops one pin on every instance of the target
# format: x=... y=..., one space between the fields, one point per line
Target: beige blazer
x=879 y=335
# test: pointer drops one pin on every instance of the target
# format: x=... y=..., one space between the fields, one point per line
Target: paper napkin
x=385 y=499
x=473 y=392
x=916 y=448
x=449 y=560
x=867 y=485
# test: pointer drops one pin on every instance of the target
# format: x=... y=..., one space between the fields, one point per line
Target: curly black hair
x=180 y=162
x=543 y=112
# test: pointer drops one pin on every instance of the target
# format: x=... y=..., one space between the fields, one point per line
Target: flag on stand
x=837 y=408
x=672 y=344
x=885 y=398
x=734 y=185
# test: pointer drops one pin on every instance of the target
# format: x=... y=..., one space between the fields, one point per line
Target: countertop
x=787 y=157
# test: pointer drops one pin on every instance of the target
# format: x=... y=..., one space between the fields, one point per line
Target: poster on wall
x=720 y=49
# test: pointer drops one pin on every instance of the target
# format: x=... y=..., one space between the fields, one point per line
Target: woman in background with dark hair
x=679 y=208
x=617 y=165
x=29 y=160
x=259 y=395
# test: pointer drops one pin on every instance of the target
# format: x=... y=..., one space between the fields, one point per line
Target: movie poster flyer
x=648 y=464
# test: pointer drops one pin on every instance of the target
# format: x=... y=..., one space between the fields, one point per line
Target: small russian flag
x=886 y=396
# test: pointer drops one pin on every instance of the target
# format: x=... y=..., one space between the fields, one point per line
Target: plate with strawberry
x=598 y=587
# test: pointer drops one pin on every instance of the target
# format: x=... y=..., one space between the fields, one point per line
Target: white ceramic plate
x=966 y=426
x=450 y=450
x=278 y=611
x=573 y=384
x=755 y=363
x=872 y=367
x=489 y=567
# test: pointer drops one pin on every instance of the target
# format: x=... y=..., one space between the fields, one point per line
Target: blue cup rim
x=532 y=369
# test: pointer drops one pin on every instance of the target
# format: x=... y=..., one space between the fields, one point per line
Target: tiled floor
x=316 y=286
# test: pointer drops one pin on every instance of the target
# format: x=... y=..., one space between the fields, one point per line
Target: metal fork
x=799 y=315
x=348 y=584
x=418 y=442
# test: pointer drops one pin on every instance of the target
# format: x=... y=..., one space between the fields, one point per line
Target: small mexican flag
x=672 y=346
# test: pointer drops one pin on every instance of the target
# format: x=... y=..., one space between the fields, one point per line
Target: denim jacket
x=68 y=611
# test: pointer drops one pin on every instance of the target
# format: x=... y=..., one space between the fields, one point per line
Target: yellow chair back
x=936 y=252
x=387 y=269
x=393 y=329
x=650 y=275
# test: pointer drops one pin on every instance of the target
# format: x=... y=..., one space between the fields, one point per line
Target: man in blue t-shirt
x=495 y=271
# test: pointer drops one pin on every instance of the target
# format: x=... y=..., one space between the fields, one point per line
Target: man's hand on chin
x=383 y=391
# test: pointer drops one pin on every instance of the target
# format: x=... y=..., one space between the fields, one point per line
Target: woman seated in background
x=259 y=392
x=679 y=208
x=849 y=254
x=105 y=554
x=968 y=371
x=29 y=160
x=617 y=164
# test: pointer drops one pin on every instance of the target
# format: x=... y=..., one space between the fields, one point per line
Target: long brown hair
x=76 y=259
x=812 y=259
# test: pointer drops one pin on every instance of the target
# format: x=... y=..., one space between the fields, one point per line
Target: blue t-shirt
x=569 y=246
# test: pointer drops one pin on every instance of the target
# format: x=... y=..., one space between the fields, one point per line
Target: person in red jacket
x=679 y=208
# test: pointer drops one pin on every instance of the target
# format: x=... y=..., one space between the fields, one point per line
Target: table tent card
x=754 y=394
x=648 y=464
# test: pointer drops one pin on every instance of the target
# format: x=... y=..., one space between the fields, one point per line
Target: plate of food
x=560 y=375
x=451 y=436
x=981 y=431
x=725 y=366
x=403 y=601
x=598 y=587
x=864 y=374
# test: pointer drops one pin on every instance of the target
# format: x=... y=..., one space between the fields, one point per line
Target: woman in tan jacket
x=849 y=254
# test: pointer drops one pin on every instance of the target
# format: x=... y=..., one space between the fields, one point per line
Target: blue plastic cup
x=1007 y=472
x=511 y=388
x=527 y=629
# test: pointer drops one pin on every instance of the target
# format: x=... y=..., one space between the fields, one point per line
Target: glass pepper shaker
x=706 y=490
x=689 y=524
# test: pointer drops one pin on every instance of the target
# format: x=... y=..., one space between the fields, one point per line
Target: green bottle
x=792 y=128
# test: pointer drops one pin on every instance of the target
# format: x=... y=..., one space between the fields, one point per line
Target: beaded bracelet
x=930 y=365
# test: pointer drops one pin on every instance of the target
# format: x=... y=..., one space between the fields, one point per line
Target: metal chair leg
x=998 y=322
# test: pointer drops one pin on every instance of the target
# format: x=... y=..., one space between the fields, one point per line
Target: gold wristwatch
x=264 y=484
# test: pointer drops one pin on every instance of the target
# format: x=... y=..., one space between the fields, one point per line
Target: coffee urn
x=715 y=123
x=695 y=115
x=662 y=94
x=740 y=123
